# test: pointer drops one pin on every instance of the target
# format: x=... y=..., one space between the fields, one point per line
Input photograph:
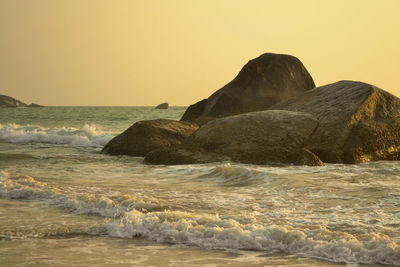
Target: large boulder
x=145 y=136
x=7 y=101
x=358 y=122
x=262 y=82
x=264 y=137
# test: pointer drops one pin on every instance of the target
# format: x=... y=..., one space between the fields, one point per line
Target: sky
x=142 y=53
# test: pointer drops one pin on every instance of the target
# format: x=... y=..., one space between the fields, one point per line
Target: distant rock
x=264 y=137
x=162 y=106
x=7 y=101
x=145 y=136
x=358 y=122
x=262 y=82
x=33 y=105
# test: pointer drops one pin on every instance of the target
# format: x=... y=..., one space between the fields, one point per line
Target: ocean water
x=62 y=203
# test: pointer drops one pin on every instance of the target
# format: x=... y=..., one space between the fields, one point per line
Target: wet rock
x=181 y=155
x=145 y=136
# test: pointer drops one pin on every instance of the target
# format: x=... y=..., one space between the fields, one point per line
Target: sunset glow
x=147 y=52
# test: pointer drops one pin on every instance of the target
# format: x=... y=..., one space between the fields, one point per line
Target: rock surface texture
x=182 y=155
x=264 y=137
x=162 y=106
x=262 y=82
x=145 y=136
x=358 y=122
x=7 y=101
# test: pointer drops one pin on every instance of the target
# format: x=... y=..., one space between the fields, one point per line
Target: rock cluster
x=9 y=102
x=263 y=137
x=343 y=122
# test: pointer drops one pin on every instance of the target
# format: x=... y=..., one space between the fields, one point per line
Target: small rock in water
x=162 y=106
x=34 y=105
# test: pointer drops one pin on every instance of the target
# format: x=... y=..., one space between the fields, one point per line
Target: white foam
x=88 y=135
x=215 y=232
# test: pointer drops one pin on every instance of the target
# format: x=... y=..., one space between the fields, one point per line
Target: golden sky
x=100 y=52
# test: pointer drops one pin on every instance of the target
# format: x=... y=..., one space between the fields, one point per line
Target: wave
x=139 y=216
x=14 y=185
x=222 y=174
x=237 y=176
x=218 y=232
x=88 y=136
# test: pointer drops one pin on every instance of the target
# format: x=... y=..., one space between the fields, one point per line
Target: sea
x=63 y=203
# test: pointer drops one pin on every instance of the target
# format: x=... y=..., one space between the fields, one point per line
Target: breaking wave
x=139 y=216
x=73 y=199
x=219 y=232
x=228 y=175
x=88 y=136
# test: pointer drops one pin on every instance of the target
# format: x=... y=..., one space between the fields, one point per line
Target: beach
x=63 y=203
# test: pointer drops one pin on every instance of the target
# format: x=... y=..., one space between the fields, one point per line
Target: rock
x=181 y=155
x=264 y=137
x=33 y=105
x=145 y=136
x=358 y=122
x=262 y=82
x=7 y=101
x=162 y=106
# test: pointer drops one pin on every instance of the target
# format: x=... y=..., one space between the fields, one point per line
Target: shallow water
x=64 y=203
